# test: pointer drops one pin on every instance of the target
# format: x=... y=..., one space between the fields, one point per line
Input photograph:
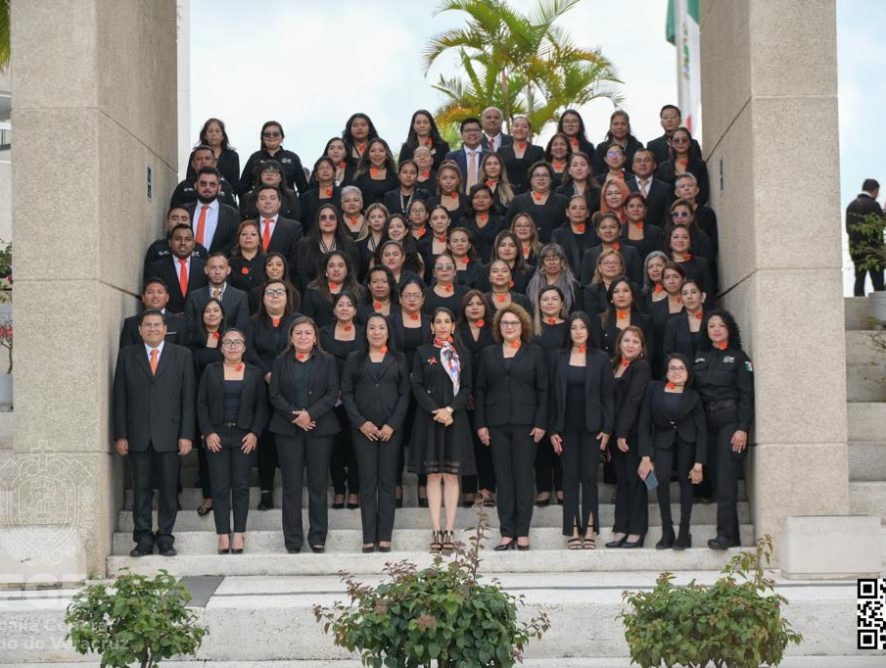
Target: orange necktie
x=183 y=276
x=201 y=224
x=266 y=235
x=154 y=354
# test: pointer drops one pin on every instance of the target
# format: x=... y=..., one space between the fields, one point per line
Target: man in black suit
x=181 y=271
x=154 y=421
x=277 y=234
x=177 y=215
x=493 y=138
x=155 y=297
x=186 y=192
x=865 y=249
x=215 y=224
x=235 y=302
x=671 y=118
x=469 y=156
x=658 y=194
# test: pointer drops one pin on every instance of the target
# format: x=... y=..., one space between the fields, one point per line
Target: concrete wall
x=769 y=98
x=95 y=81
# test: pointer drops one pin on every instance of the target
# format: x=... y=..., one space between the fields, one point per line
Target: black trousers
x=724 y=467
x=631 y=500
x=682 y=455
x=581 y=463
x=513 y=457
x=343 y=466
x=377 y=463
x=229 y=470
x=861 y=274
x=203 y=471
x=267 y=461
x=548 y=470
x=296 y=453
x=150 y=470
x=485 y=478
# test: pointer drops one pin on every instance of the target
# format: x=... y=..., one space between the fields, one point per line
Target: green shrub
x=735 y=622
x=142 y=620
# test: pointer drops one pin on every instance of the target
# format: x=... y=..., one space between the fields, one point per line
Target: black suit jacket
x=605 y=338
x=629 y=392
x=235 y=303
x=659 y=430
x=633 y=265
x=517 y=395
x=598 y=160
x=155 y=410
x=165 y=270
x=658 y=199
x=599 y=407
x=698 y=168
x=518 y=168
x=322 y=395
x=380 y=397
x=459 y=157
x=264 y=342
x=225 y=231
x=211 y=400
x=662 y=150
x=678 y=338
x=287 y=233
x=159 y=250
x=863 y=205
x=185 y=194
x=176 y=330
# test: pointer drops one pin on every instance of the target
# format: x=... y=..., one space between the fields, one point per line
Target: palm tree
x=521 y=64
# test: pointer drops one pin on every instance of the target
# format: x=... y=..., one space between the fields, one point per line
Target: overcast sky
x=323 y=61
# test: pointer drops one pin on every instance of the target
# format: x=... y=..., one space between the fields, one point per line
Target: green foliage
x=523 y=64
x=870 y=247
x=735 y=622
x=4 y=34
x=441 y=613
x=142 y=620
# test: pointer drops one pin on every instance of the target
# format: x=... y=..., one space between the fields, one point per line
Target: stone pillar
x=769 y=98
x=95 y=115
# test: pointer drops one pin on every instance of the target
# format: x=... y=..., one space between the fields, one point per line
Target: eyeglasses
x=153 y=325
x=275 y=292
x=270 y=134
x=542 y=175
x=680 y=214
x=510 y=323
x=614 y=154
x=677 y=369
x=233 y=344
x=679 y=140
x=411 y=295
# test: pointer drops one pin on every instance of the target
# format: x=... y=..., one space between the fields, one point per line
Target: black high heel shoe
x=684 y=540
x=617 y=543
x=338 y=505
x=626 y=545
x=504 y=547
x=267 y=501
x=667 y=539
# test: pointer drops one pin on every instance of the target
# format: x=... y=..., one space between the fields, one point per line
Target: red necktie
x=266 y=235
x=154 y=361
x=492 y=143
x=183 y=276
x=201 y=224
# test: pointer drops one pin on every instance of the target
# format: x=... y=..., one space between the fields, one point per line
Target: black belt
x=231 y=425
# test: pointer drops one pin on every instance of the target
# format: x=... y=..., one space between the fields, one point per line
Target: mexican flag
x=682 y=32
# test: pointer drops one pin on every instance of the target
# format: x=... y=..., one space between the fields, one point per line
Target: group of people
x=501 y=318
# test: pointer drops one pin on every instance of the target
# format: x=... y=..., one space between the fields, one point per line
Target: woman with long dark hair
x=359 y=131
x=338 y=275
x=227 y=160
x=423 y=132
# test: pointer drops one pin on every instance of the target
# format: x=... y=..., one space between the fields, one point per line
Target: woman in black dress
x=608 y=230
x=632 y=376
x=352 y=218
x=232 y=410
x=572 y=125
x=418 y=214
x=511 y=416
x=465 y=257
x=506 y=247
x=619 y=134
x=399 y=199
x=557 y=154
x=683 y=333
x=437 y=242
x=547 y=209
x=340 y=338
x=375 y=392
x=227 y=160
x=581 y=422
x=304 y=389
x=653 y=290
x=376 y=172
x=337 y=275
x=276 y=268
x=520 y=154
x=449 y=191
x=247 y=260
x=494 y=174
x=444 y=291
x=376 y=227
x=328 y=235
x=501 y=293
x=635 y=231
x=679 y=248
x=483 y=223
x=423 y=132
x=528 y=240
x=271 y=141
x=427 y=174
x=673 y=435
x=575 y=236
x=337 y=150
x=664 y=309
x=621 y=312
x=686 y=157
x=393 y=255
x=359 y=131
x=441 y=435
x=323 y=190
x=579 y=180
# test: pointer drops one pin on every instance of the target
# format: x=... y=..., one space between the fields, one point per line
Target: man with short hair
x=657 y=193
x=670 y=118
x=186 y=191
x=155 y=297
x=234 y=302
x=493 y=138
x=865 y=248
x=154 y=422
x=215 y=224
x=469 y=156
x=181 y=271
x=177 y=215
x=277 y=234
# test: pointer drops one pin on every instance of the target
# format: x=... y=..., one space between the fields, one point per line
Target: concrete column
x=769 y=97
x=95 y=114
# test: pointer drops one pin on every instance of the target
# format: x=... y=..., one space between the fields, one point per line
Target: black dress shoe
x=142 y=550
x=267 y=501
x=722 y=543
x=667 y=540
x=627 y=545
x=293 y=550
x=318 y=549
x=617 y=543
x=368 y=549
x=541 y=503
x=167 y=551
x=503 y=547
x=203 y=511
x=338 y=506
x=354 y=506
x=684 y=540
x=523 y=548
x=384 y=548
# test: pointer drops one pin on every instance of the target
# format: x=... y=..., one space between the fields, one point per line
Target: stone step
x=866 y=382
x=867 y=461
x=873 y=661
x=866 y=421
x=865 y=348
x=857 y=313
x=418 y=518
x=404 y=540
x=868 y=498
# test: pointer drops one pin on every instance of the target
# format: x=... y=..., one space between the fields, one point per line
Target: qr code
x=871 y=617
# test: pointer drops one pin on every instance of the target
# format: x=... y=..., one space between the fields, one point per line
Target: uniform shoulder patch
x=748 y=366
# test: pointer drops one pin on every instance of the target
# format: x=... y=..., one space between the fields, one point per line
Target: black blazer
x=176 y=330
x=698 y=168
x=605 y=338
x=658 y=199
x=517 y=395
x=438 y=152
x=160 y=250
x=309 y=259
x=290 y=205
x=547 y=216
x=678 y=338
x=659 y=430
x=575 y=245
x=322 y=395
x=225 y=231
x=662 y=150
x=598 y=160
x=633 y=265
x=165 y=269
x=211 y=400
x=228 y=164
x=518 y=168
x=599 y=405
x=264 y=342
x=235 y=303
x=629 y=392
x=290 y=163
x=397 y=335
x=284 y=239
x=380 y=397
x=151 y=410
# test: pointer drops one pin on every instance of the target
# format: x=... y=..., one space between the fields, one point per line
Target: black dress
x=483 y=237
x=247 y=274
x=374 y=189
x=547 y=217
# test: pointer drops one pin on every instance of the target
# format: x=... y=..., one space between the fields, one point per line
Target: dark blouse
x=233 y=390
x=247 y=274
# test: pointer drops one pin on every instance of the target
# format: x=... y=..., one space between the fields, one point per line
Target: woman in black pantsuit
x=683 y=332
x=632 y=375
x=582 y=420
x=511 y=415
x=673 y=434
x=375 y=392
x=232 y=410
x=304 y=389
x=725 y=377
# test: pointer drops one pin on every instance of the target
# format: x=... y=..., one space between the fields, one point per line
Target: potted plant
x=142 y=620
x=735 y=622
x=442 y=613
